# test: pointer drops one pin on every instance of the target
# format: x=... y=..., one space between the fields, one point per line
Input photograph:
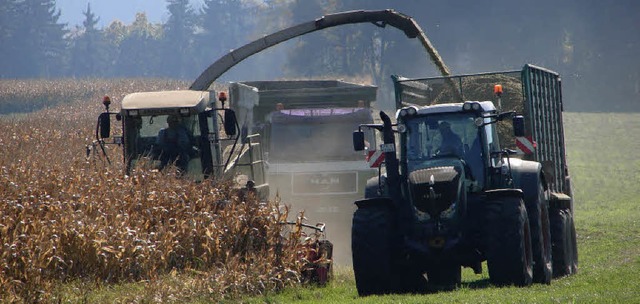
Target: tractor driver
x=451 y=143
x=174 y=143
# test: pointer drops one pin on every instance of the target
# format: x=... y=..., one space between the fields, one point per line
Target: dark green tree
x=177 y=41
x=139 y=50
x=88 y=52
x=308 y=56
x=222 y=27
x=9 y=22
x=35 y=45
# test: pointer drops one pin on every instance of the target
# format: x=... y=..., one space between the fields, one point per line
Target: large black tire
x=561 y=242
x=538 y=212
x=371 y=232
x=444 y=277
x=509 y=256
x=406 y=278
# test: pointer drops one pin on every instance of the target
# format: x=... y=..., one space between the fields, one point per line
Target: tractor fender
x=527 y=175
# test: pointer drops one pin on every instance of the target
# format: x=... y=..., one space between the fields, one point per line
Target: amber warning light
x=222 y=96
x=497 y=89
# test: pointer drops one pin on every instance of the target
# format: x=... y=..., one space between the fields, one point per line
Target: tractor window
x=493 y=144
x=433 y=136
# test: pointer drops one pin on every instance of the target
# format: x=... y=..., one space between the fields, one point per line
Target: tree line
x=38 y=45
x=591 y=43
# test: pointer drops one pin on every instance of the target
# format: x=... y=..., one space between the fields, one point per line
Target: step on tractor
x=452 y=196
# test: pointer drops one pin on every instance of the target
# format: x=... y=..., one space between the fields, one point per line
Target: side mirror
x=358 y=140
x=230 y=122
x=104 y=123
x=518 y=126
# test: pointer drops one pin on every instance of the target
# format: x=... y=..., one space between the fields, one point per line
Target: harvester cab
x=455 y=192
x=185 y=129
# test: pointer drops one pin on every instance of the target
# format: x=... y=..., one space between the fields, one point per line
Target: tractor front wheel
x=509 y=256
x=371 y=233
x=444 y=277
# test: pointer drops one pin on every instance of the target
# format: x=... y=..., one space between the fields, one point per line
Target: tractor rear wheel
x=509 y=256
x=371 y=232
x=538 y=212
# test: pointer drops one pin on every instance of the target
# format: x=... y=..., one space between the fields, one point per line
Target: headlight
x=408 y=111
x=402 y=128
x=471 y=106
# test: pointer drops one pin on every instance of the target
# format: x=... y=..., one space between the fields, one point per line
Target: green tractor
x=453 y=197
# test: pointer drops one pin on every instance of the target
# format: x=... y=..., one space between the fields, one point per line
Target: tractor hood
x=435 y=189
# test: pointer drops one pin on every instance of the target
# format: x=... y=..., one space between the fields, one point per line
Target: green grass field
x=604 y=165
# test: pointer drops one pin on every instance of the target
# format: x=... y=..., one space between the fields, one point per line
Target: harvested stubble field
x=66 y=221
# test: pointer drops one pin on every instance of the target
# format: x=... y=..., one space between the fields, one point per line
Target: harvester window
x=145 y=139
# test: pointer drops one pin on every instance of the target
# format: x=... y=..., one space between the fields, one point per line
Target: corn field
x=65 y=218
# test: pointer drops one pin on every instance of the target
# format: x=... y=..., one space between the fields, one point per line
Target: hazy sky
x=109 y=10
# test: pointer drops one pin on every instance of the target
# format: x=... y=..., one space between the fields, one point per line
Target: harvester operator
x=174 y=144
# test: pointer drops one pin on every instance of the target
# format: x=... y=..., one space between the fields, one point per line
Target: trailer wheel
x=371 y=232
x=509 y=256
x=538 y=212
x=574 y=245
x=561 y=242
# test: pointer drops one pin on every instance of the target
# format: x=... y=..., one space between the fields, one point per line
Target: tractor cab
x=463 y=135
